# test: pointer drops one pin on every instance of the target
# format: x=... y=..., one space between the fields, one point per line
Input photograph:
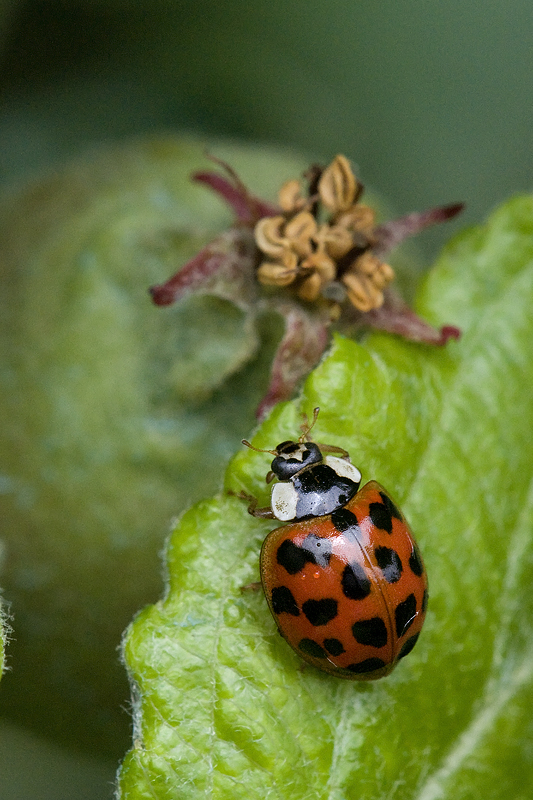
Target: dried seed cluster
x=332 y=259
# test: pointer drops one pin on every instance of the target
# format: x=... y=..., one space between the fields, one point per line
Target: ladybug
x=344 y=579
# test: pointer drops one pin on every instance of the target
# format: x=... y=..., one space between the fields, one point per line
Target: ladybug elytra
x=344 y=579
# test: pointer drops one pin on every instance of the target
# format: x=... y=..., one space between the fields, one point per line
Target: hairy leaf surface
x=224 y=708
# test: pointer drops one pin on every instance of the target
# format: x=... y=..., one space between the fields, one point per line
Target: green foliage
x=224 y=710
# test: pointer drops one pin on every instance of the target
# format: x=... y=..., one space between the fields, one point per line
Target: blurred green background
x=433 y=101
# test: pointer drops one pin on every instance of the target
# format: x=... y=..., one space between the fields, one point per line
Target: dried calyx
x=315 y=258
x=330 y=259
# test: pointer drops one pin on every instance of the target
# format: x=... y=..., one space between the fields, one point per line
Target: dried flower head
x=315 y=258
x=310 y=255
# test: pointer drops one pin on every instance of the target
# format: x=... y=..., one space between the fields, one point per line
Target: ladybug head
x=293 y=457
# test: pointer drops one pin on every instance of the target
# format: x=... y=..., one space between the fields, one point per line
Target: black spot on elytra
x=368 y=665
x=343 y=520
x=408 y=646
x=371 y=632
x=389 y=563
x=312 y=648
x=380 y=516
x=283 y=601
x=320 y=612
x=354 y=581
x=425 y=601
x=292 y=558
x=334 y=647
x=405 y=614
x=415 y=562
x=391 y=508
x=313 y=550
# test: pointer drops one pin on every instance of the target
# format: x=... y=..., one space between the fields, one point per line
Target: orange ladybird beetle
x=344 y=580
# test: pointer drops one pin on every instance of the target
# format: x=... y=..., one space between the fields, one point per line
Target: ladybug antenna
x=307 y=427
x=259 y=449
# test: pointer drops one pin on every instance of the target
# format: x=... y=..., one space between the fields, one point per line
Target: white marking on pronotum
x=284 y=499
x=343 y=468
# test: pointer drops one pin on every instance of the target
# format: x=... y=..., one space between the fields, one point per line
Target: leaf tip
x=449 y=332
x=161 y=295
x=448 y=212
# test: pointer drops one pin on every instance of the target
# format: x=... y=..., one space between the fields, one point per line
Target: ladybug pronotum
x=344 y=579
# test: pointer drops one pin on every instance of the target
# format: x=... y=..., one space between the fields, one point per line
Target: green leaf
x=224 y=710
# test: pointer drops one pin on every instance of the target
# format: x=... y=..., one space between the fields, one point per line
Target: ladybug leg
x=264 y=513
x=251 y=587
x=331 y=448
